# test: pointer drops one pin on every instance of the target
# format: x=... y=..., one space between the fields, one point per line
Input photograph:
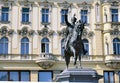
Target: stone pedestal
x=81 y=75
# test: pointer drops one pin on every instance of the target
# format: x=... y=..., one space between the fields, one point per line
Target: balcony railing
x=49 y=56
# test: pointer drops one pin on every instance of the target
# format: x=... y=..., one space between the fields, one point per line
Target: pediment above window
x=26 y=4
x=84 y=5
x=6 y=3
x=25 y=32
x=65 y=4
x=46 y=4
x=115 y=3
x=45 y=32
x=4 y=31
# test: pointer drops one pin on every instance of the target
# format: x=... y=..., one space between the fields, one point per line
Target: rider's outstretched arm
x=66 y=20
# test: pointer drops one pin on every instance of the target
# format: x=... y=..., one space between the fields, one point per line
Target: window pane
x=111 y=74
x=63 y=12
x=45 y=76
x=3 y=76
x=25 y=76
x=43 y=47
x=4 y=15
x=25 y=14
x=114 y=15
x=86 y=45
x=14 y=76
x=45 y=15
x=106 y=77
x=47 y=48
x=4 y=45
x=25 y=46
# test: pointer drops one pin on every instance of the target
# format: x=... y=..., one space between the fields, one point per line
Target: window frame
x=113 y=15
x=109 y=76
x=24 y=45
x=5 y=14
x=86 y=44
x=19 y=75
x=3 y=43
x=63 y=12
x=46 y=47
x=44 y=18
x=27 y=15
x=85 y=16
x=116 y=46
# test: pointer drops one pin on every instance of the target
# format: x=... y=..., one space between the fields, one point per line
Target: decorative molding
x=88 y=34
x=84 y=5
x=115 y=3
x=115 y=25
x=62 y=33
x=26 y=3
x=45 y=32
x=65 y=4
x=25 y=32
x=46 y=4
x=115 y=32
x=4 y=31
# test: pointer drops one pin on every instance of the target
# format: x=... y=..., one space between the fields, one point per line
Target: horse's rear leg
x=80 y=61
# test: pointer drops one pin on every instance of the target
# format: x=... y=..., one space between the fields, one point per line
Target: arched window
x=4 y=45
x=62 y=48
x=116 y=46
x=45 y=45
x=25 y=45
x=86 y=45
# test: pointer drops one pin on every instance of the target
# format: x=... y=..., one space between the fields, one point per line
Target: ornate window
x=116 y=46
x=86 y=45
x=114 y=15
x=62 y=48
x=4 y=45
x=45 y=76
x=63 y=12
x=5 y=14
x=45 y=45
x=25 y=15
x=45 y=15
x=25 y=45
x=109 y=77
x=84 y=16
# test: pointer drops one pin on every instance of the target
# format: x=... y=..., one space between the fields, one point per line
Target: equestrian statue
x=73 y=45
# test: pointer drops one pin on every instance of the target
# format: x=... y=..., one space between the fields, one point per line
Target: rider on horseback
x=69 y=31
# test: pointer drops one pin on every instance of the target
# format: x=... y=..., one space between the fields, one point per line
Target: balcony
x=112 y=61
x=46 y=60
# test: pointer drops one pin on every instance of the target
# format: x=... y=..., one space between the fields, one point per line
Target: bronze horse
x=75 y=45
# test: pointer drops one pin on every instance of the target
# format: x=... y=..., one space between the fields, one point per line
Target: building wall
x=98 y=32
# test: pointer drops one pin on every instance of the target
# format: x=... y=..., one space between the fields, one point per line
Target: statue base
x=81 y=75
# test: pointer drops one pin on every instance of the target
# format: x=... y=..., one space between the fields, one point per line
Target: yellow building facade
x=32 y=32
